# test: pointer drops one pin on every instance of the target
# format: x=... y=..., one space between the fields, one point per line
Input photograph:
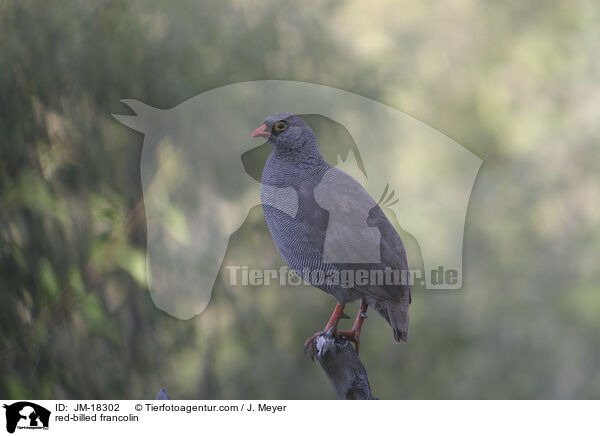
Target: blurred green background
x=517 y=83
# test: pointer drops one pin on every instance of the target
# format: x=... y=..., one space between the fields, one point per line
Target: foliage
x=515 y=82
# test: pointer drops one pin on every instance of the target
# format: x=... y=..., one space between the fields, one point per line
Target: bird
x=337 y=228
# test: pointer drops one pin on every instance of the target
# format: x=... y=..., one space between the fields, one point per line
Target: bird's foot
x=309 y=345
x=330 y=328
x=354 y=334
x=350 y=336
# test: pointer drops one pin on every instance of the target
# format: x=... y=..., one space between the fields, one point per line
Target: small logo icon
x=26 y=415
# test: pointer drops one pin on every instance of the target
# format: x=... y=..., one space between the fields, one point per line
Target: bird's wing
x=393 y=253
x=336 y=193
x=313 y=217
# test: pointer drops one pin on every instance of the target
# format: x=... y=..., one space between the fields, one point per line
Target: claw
x=310 y=348
x=331 y=330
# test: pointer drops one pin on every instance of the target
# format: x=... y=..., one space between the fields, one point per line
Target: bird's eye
x=281 y=125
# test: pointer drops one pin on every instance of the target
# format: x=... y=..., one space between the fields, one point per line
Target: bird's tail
x=398 y=313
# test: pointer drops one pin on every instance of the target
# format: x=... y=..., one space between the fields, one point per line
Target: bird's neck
x=290 y=166
x=308 y=153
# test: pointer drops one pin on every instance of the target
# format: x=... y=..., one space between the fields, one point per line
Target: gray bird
x=325 y=224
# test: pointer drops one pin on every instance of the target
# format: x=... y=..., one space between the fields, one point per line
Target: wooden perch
x=342 y=366
x=163 y=395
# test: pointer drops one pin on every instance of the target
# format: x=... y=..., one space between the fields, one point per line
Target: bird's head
x=285 y=131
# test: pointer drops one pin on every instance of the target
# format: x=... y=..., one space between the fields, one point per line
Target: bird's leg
x=338 y=313
x=354 y=334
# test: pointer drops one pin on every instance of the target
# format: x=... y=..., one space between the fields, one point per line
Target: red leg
x=338 y=313
x=354 y=334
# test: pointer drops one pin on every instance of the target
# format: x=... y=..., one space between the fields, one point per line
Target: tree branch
x=342 y=366
x=163 y=395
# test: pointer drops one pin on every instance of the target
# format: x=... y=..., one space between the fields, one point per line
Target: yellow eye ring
x=281 y=125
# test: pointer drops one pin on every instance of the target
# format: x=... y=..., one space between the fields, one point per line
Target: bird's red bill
x=261 y=131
